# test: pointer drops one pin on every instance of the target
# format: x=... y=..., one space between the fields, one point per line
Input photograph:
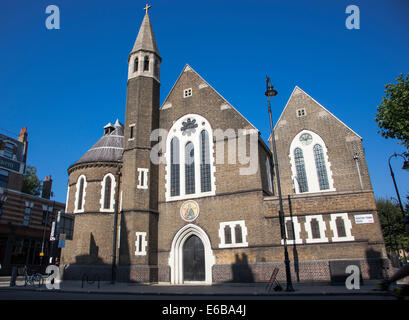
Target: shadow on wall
x=241 y=271
x=92 y=266
x=377 y=266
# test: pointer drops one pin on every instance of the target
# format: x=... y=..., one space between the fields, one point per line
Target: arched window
x=146 y=64
x=135 y=64
x=174 y=167
x=189 y=168
x=339 y=222
x=268 y=171
x=205 y=179
x=321 y=168
x=310 y=164
x=238 y=233
x=300 y=167
x=80 y=194
x=227 y=234
x=107 y=193
x=315 y=229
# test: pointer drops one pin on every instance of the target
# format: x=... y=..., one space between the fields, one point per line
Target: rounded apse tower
x=92 y=196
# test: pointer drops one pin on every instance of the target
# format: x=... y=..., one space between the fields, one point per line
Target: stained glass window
x=300 y=166
x=174 y=167
x=107 y=193
x=321 y=169
x=189 y=168
x=205 y=179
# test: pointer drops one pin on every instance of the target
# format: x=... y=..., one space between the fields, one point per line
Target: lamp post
x=271 y=92
x=405 y=166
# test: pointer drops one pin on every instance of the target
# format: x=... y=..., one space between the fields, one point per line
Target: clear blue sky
x=66 y=84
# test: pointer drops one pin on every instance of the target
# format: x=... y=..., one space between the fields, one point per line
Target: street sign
x=364 y=218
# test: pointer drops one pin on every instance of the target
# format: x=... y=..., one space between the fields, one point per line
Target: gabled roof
x=189 y=68
x=145 y=39
x=303 y=92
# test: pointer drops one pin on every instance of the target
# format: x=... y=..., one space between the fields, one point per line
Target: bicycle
x=31 y=279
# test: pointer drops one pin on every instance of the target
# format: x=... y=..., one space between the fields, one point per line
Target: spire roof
x=146 y=39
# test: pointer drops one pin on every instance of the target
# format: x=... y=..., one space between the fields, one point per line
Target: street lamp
x=271 y=92
x=405 y=166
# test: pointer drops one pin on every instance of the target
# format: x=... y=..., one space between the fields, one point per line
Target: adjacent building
x=25 y=220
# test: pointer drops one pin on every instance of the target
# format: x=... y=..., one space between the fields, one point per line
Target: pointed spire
x=146 y=39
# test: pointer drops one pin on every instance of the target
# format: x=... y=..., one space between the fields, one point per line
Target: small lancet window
x=227 y=235
x=146 y=64
x=80 y=194
x=107 y=193
x=135 y=64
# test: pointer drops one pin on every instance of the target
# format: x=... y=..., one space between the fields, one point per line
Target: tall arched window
x=190 y=160
x=146 y=64
x=269 y=179
x=156 y=68
x=189 y=168
x=205 y=179
x=227 y=234
x=80 y=194
x=135 y=64
x=310 y=163
x=300 y=167
x=107 y=192
x=321 y=168
x=315 y=229
x=174 y=167
x=238 y=233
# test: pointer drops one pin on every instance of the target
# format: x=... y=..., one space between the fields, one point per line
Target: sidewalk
x=225 y=289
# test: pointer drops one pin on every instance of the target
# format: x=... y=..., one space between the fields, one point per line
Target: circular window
x=306 y=139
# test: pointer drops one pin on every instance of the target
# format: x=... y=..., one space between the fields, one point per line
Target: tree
x=31 y=183
x=392 y=115
x=390 y=217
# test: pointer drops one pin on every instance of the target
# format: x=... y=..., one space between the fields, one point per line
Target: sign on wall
x=189 y=210
x=364 y=218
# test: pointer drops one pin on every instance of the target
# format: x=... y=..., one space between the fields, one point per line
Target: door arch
x=176 y=253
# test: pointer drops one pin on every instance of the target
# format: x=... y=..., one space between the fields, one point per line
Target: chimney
x=47 y=183
x=22 y=137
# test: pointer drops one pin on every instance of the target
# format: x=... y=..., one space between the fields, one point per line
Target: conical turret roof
x=146 y=40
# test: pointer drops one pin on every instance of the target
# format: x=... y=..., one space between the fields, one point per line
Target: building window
x=205 y=179
x=301 y=112
x=142 y=178
x=156 y=69
x=4 y=178
x=27 y=213
x=9 y=150
x=80 y=194
x=341 y=227
x=174 y=167
x=135 y=64
x=300 y=166
x=310 y=166
x=47 y=212
x=189 y=168
x=131 y=132
x=292 y=230
x=233 y=234
x=108 y=185
x=187 y=93
x=190 y=159
x=321 y=169
x=146 y=64
x=315 y=227
x=140 y=244
x=269 y=177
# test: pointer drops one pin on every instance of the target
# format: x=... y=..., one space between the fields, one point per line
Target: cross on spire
x=147 y=7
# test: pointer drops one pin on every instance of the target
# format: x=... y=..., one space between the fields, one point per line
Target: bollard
x=13 y=277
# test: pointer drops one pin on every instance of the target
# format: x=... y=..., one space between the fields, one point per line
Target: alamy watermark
x=53 y=20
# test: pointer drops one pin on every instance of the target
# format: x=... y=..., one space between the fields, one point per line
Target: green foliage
x=31 y=183
x=390 y=217
x=393 y=113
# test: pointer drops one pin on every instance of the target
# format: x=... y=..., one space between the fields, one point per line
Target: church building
x=185 y=191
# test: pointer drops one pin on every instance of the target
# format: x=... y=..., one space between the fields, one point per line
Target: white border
x=233 y=243
x=144 y=244
x=348 y=227
x=322 y=229
x=297 y=231
x=83 y=194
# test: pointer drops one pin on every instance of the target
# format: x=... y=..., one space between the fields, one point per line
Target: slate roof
x=108 y=148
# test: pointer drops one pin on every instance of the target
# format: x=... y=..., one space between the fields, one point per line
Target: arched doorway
x=193 y=259
x=191 y=240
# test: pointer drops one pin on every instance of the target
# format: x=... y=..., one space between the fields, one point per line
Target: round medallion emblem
x=306 y=139
x=189 y=210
